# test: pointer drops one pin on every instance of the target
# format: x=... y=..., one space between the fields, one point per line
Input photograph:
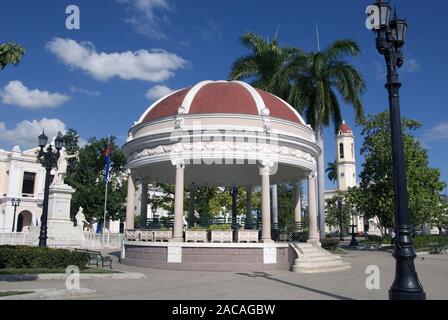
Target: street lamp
x=154 y=210
x=390 y=39
x=353 y=243
x=341 y=234
x=15 y=204
x=49 y=157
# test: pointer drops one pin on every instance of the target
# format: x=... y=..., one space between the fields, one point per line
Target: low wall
x=232 y=257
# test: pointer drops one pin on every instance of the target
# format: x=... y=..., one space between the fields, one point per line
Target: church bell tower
x=346 y=162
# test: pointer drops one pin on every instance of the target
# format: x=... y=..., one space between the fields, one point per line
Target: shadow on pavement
x=270 y=277
x=18 y=278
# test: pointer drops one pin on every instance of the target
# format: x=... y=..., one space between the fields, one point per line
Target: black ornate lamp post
x=353 y=242
x=390 y=39
x=234 y=194
x=15 y=204
x=154 y=210
x=49 y=157
x=341 y=227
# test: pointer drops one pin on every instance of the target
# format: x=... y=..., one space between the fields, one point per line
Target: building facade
x=347 y=176
x=21 y=178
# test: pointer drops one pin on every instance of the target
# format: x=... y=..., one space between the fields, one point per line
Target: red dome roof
x=221 y=97
x=344 y=128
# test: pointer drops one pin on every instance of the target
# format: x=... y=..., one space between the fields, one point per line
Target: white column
x=298 y=202
x=14 y=180
x=312 y=209
x=266 y=205
x=274 y=205
x=179 y=204
x=144 y=203
x=130 y=205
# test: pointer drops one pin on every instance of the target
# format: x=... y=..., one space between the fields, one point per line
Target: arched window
x=341 y=151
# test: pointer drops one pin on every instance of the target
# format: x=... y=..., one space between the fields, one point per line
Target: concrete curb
x=62 y=276
x=41 y=294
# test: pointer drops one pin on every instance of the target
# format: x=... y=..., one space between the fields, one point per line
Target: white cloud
x=89 y=93
x=213 y=31
x=155 y=65
x=438 y=132
x=147 y=16
x=15 y=93
x=158 y=92
x=26 y=132
x=411 y=66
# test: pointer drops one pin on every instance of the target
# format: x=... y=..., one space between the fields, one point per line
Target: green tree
x=87 y=177
x=10 y=53
x=311 y=82
x=267 y=64
x=286 y=206
x=316 y=83
x=375 y=195
x=338 y=207
x=332 y=171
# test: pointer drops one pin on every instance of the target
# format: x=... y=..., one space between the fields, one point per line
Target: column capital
x=312 y=175
x=266 y=167
x=178 y=163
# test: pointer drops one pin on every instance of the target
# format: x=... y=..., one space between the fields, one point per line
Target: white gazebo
x=222 y=134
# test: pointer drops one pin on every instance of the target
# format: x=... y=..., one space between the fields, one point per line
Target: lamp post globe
x=390 y=39
x=42 y=140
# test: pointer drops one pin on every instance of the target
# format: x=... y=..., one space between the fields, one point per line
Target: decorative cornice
x=262 y=152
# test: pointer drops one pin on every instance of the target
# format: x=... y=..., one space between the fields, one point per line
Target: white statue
x=81 y=219
x=61 y=171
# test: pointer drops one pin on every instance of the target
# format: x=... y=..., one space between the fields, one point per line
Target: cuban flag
x=106 y=177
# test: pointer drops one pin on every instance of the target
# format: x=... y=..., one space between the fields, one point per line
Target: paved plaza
x=278 y=285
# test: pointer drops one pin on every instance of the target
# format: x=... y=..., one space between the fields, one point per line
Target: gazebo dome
x=213 y=124
x=221 y=97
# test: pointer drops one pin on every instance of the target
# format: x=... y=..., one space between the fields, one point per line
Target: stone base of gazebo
x=225 y=257
x=231 y=257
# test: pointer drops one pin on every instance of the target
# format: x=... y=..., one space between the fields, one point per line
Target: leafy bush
x=220 y=227
x=422 y=241
x=23 y=257
x=330 y=244
x=375 y=238
x=197 y=228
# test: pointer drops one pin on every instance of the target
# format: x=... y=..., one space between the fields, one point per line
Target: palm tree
x=266 y=64
x=10 y=53
x=316 y=83
x=332 y=171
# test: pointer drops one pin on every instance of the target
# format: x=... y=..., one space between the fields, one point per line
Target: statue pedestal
x=61 y=231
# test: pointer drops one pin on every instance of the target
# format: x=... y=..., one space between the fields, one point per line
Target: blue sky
x=99 y=81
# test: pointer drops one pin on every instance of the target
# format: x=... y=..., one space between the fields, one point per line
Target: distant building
x=347 y=176
x=21 y=177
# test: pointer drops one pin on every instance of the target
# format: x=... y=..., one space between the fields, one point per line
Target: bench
x=436 y=248
x=96 y=258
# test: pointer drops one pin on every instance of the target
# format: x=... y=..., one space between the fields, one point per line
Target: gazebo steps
x=314 y=259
